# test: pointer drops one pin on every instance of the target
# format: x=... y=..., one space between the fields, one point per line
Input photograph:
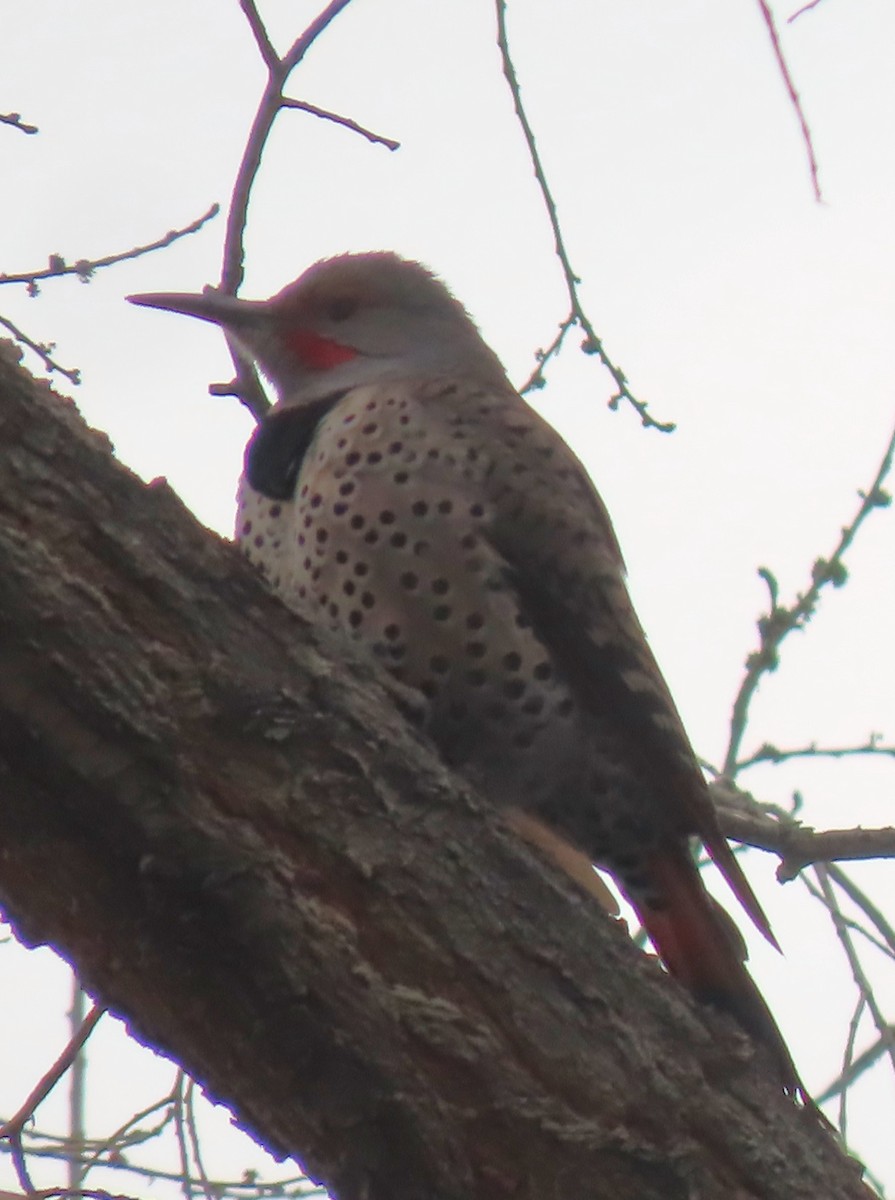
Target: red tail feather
x=703 y=949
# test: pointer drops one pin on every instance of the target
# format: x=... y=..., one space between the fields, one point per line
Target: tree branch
x=86 y=268
x=797 y=845
x=224 y=821
x=794 y=99
x=15 y=120
x=779 y=622
x=592 y=343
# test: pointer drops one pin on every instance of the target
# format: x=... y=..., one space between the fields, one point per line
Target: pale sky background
x=758 y=320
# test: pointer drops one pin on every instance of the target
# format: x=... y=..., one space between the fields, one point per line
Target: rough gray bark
x=251 y=857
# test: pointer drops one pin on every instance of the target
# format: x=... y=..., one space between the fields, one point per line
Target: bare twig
x=346 y=122
x=77 y=1090
x=43 y=350
x=20 y=1166
x=768 y=17
x=884 y=1028
x=537 y=378
x=48 y=1081
x=863 y=901
x=85 y=268
x=853 y=1067
x=12 y=1129
x=195 y=1144
x=848 y=1058
x=259 y=32
x=799 y=845
x=247 y=1188
x=108 y=1152
x=246 y=384
x=16 y=122
x=779 y=622
x=279 y=69
x=769 y=753
x=799 y=11
x=592 y=344
x=81 y=1193
x=186 y=1175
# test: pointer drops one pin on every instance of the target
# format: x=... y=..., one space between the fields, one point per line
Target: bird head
x=348 y=321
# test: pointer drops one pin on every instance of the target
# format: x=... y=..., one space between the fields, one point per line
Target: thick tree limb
x=250 y=856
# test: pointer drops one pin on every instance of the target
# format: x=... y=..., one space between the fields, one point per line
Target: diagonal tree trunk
x=250 y=856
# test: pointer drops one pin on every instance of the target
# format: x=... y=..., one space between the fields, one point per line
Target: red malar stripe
x=318 y=353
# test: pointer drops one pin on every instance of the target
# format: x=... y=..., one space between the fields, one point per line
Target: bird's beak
x=228 y=311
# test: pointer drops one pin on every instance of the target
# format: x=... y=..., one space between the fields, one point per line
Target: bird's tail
x=703 y=949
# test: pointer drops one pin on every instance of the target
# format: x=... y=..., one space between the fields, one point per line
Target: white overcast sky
x=758 y=320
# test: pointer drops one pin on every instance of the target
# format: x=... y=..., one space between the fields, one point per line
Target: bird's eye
x=342 y=308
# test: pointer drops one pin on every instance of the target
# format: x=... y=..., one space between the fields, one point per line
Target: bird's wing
x=548 y=523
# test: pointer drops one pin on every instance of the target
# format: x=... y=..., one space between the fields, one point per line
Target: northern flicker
x=402 y=492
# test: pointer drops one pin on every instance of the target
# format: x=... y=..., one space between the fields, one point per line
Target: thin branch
x=863 y=901
x=11 y=1130
x=851 y=923
x=15 y=121
x=346 y=122
x=799 y=846
x=195 y=1144
x=259 y=32
x=848 y=1058
x=853 y=1067
x=775 y=627
x=302 y=44
x=246 y=385
x=125 y=1137
x=863 y=984
x=835 y=845
x=274 y=1189
x=77 y=1090
x=17 y=1153
x=592 y=344
x=49 y=1080
x=537 y=378
x=769 y=753
x=186 y=1175
x=793 y=95
x=82 y=1193
x=43 y=350
x=232 y=272
x=85 y=268
x=799 y=11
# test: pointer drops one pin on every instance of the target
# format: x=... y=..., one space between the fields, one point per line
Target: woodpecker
x=404 y=494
